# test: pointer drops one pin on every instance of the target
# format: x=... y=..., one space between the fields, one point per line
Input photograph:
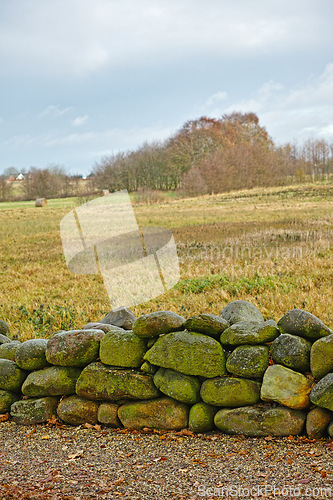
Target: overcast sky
x=84 y=78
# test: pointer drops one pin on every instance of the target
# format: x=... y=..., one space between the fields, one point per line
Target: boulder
x=6 y=400
x=108 y=414
x=75 y=410
x=75 y=348
x=248 y=361
x=8 y=350
x=104 y=327
x=189 y=353
x=241 y=310
x=209 y=324
x=122 y=317
x=303 y=324
x=292 y=351
x=317 y=421
x=161 y=413
x=4 y=339
x=4 y=329
x=201 y=417
x=157 y=323
x=322 y=393
x=31 y=355
x=250 y=332
x=183 y=388
x=106 y=383
x=11 y=376
x=230 y=392
x=285 y=386
x=122 y=349
x=259 y=422
x=33 y=411
x=52 y=381
x=321 y=357
x=148 y=368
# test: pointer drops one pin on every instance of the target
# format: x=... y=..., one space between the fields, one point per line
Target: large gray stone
x=11 y=376
x=105 y=383
x=52 y=381
x=322 y=393
x=317 y=422
x=285 y=386
x=33 y=411
x=122 y=317
x=31 y=355
x=230 y=392
x=321 y=357
x=157 y=323
x=122 y=349
x=75 y=348
x=183 y=388
x=75 y=410
x=6 y=400
x=249 y=361
x=250 y=332
x=189 y=353
x=292 y=352
x=241 y=310
x=8 y=350
x=161 y=413
x=259 y=422
x=201 y=417
x=209 y=324
x=303 y=324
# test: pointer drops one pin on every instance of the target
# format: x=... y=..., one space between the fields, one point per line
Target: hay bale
x=41 y=202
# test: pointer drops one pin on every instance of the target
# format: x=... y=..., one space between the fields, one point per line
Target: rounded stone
x=250 y=332
x=157 y=323
x=11 y=376
x=4 y=339
x=33 y=411
x=285 y=386
x=241 y=310
x=31 y=355
x=209 y=324
x=184 y=388
x=322 y=393
x=303 y=324
x=52 y=381
x=321 y=357
x=317 y=422
x=201 y=417
x=249 y=361
x=75 y=348
x=75 y=410
x=8 y=350
x=122 y=349
x=4 y=328
x=230 y=392
x=108 y=414
x=6 y=400
x=292 y=351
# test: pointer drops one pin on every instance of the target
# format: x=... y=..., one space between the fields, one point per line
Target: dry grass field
x=270 y=246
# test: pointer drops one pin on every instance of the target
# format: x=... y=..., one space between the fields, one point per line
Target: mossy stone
x=11 y=376
x=4 y=339
x=75 y=410
x=241 y=310
x=4 y=329
x=108 y=414
x=52 y=381
x=321 y=357
x=184 y=388
x=157 y=323
x=250 y=332
x=317 y=422
x=189 y=353
x=6 y=400
x=322 y=393
x=303 y=324
x=31 y=355
x=285 y=386
x=8 y=350
x=162 y=413
x=292 y=351
x=260 y=422
x=75 y=348
x=248 y=361
x=122 y=349
x=230 y=392
x=33 y=411
x=201 y=417
x=106 y=383
x=148 y=368
x=209 y=324
x=330 y=429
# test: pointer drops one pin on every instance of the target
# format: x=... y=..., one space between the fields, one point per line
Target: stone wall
x=235 y=372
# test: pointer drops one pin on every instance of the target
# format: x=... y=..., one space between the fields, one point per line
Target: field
x=272 y=247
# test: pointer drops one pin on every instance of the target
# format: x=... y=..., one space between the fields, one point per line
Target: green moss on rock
x=248 y=361
x=122 y=349
x=6 y=400
x=75 y=348
x=303 y=324
x=30 y=355
x=184 y=388
x=157 y=323
x=322 y=393
x=250 y=332
x=208 y=324
x=8 y=350
x=108 y=414
x=292 y=352
x=33 y=411
x=201 y=417
x=11 y=376
x=52 y=381
x=230 y=392
x=75 y=410
x=321 y=357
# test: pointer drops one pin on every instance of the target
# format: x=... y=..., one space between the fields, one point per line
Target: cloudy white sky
x=85 y=78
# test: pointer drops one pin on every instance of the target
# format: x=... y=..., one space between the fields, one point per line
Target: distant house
x=11 y=178
x=20 y=177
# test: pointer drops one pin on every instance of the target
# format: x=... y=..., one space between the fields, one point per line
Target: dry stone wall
x=235 y=372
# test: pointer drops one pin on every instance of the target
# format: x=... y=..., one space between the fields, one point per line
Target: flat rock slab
x=292 y=351
x=189 y=353
x=321 y=357
x=75 y=410
x=249 y=361
x=259 y=422
x=303 y=324
x=250 y=332
x=285 y=386
x=322 y=393
x=31 y=354
x=122 y=349
x=75 y=348
x=183 y=388
x=230 y=392
x=157 y=323
x=11 y=376
x=33 y=411
x=209 y=324
x=241 y=310
x=106 y=383
x=162 y=413
x=6 y=400
x=52 y=381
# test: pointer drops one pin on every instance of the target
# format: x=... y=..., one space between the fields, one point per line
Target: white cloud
x=53 y=111
x=80 y=120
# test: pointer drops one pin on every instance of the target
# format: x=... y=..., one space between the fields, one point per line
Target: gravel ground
x=63 y=462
